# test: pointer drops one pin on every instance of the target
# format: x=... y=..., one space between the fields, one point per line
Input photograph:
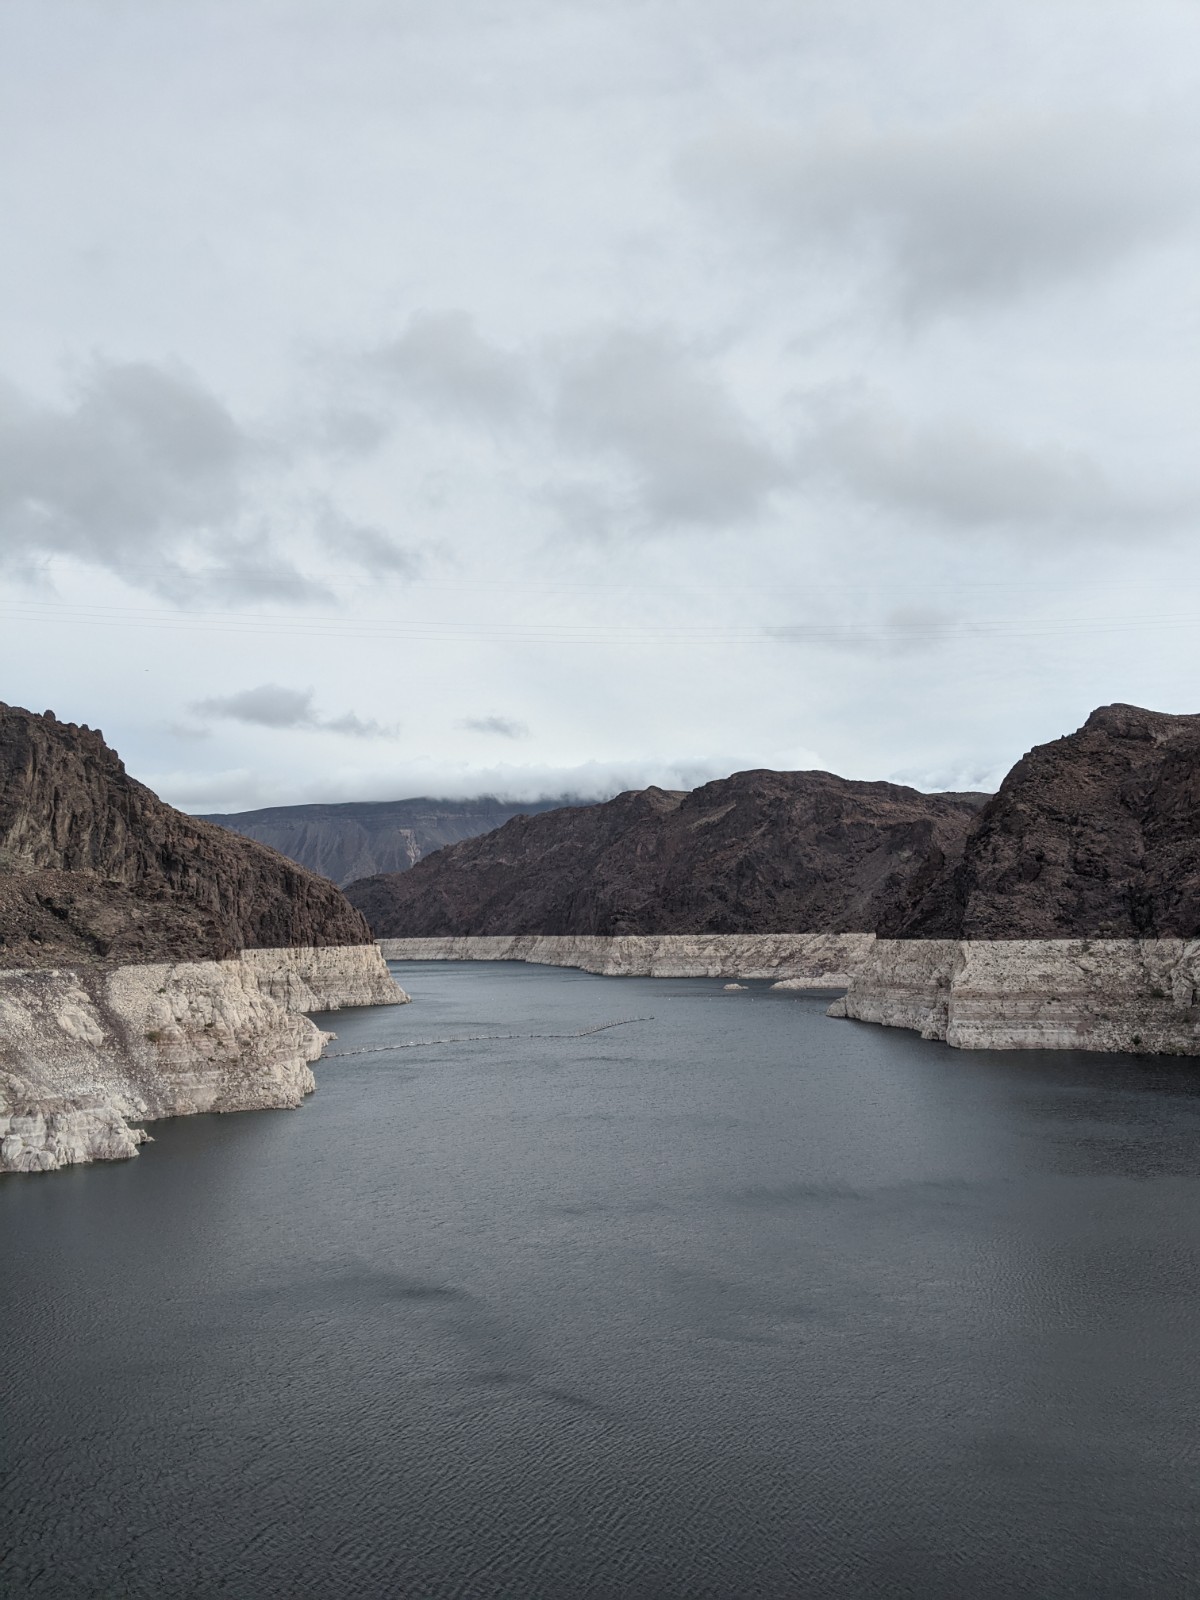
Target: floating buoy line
x=477 y=1038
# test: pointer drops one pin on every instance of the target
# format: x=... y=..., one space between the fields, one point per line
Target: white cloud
x=244 y=789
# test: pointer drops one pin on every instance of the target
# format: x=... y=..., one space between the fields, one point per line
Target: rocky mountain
x=759 y=852
x=94 y=866
x=1095 y=835
x=360 y=838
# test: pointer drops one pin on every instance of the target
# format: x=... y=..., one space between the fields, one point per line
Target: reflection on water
x=733 y=1301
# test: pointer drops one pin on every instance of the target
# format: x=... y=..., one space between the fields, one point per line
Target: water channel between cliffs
x=733 y=1299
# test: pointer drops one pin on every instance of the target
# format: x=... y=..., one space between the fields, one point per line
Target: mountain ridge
x=345 y=840
x=757 y=852
x=1093 y=835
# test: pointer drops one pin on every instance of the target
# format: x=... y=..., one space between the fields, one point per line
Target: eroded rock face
x=87 y=1054
x=1134 y=995
x=757 y=853
x=93 y=866
x=1096 y=835
x=127 y=991
x=802 y=960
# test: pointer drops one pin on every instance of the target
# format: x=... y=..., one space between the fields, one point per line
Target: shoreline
x=89 y=1053
x=1139 y=996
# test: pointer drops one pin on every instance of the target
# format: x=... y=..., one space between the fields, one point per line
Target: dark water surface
x=735 y=1302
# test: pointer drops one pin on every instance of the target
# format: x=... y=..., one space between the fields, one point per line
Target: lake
x=734 y=1300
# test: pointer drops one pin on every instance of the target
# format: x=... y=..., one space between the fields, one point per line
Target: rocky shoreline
x=88 y=1054
x=1134 y=995
x=825 y=960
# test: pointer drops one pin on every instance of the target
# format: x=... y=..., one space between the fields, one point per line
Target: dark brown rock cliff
x=1096 y=835
x=93 y=865
x=760 y=852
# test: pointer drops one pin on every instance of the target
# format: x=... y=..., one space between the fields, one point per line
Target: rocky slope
x=150 y=965
x=1095 y=835
x=93 y=866
x=360 y=838
x=760 y=852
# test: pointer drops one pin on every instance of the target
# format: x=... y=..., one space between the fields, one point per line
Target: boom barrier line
x=476 y=1038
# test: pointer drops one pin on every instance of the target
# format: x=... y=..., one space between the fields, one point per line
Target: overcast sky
x=556 y=397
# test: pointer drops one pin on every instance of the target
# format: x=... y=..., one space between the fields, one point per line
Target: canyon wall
x=825 y=960
x=1136 y=995
x=151 y=965
x=87 y=1054
x=304 y=978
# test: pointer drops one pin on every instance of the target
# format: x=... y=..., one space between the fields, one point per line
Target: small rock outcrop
x=758 y=853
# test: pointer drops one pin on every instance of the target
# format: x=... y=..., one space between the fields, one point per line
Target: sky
x=556 y=398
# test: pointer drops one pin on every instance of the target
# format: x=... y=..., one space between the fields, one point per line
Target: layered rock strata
x=87 y=1054
x=150 y=965
x=304 y=978
x=818 y=960
x=1136 y=995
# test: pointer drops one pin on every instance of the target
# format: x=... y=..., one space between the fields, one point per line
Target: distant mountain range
x=363 y=837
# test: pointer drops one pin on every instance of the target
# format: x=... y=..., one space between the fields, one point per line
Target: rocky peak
x=1095 y=835
x=93 y=864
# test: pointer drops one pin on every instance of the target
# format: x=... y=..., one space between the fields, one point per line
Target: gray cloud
x=147 y=475
x=443 y=360
x=366 y=546
x=631 y=398
x=143 y=452
x=271 y=705
x=642 y=399
x=958 y=475
x=971 y=212
x=504 y=727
